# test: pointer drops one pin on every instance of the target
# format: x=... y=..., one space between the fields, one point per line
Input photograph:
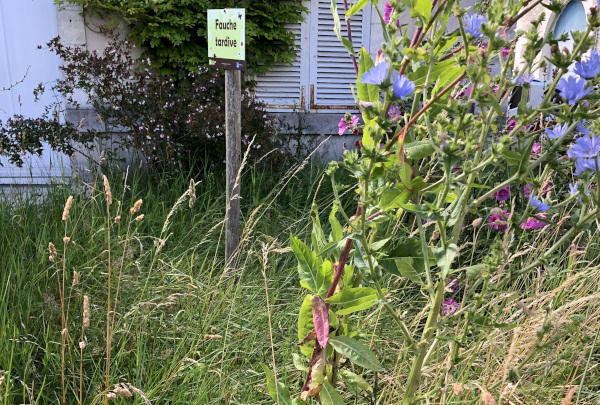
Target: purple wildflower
x=449 y=306
x=506 y=52
x=511 y=125
x=572 y=89
x=394 y=112
x=527 y=189
x=376 y=75
x=533 y=223
x=498 y=220
x=589 y=67
x=473 y=24
x=403 y=87
x=502 y=194
x=453 y=285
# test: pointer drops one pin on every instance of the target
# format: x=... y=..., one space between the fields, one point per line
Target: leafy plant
x=425 y=178
x=173 y=123
x=173 y=33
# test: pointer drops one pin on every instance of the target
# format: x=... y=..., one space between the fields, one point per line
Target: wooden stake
x=233 y=144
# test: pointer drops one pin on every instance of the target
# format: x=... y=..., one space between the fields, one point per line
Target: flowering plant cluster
x=173 y=121
x=433 y=175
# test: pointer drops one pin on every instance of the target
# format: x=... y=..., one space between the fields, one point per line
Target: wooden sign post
x=227 y=50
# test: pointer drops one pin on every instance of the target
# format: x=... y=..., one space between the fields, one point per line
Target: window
x=320 y=78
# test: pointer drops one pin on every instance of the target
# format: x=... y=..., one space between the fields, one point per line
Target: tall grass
x=176 y=329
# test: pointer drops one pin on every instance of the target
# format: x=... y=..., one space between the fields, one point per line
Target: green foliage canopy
x=173 y=32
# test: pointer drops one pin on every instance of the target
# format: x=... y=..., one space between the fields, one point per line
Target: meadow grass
x=184 y=332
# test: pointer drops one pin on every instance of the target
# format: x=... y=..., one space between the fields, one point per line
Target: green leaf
x=369 y=134
x=336 y=227
x=422 y=8
x=305 y=324
x=282 y=394
x=352 y=296
x=393 y=197
x=406 y=174
x=407 y=268
x=376 y=246
x=367 y=302
x=445 y=79
x=356 y=8
x=444 y=257
x=324 y=277
x=419 y=76
x=525 y=157
x=337 y=28
x=317 y=235
x=299 y=362
x=355 y=383
x=357 y=352
x=329 y=395
x=364 y=64
x=473 y=271
x=418 y=149
x=313 y=275
x=512 y=158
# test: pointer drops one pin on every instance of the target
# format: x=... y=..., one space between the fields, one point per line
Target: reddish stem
x=349 y=30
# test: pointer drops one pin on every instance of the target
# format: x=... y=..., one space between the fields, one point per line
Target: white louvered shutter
x=331 y=68
x=281 y=88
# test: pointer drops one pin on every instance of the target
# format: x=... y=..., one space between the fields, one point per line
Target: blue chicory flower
x=473 y=24
x=538 y=204
x=573 y=189
x=585 y=151
x=376 y=75
x=557 y=131
x=572 y=88
x=582 y=128
x=526 y=78
x=589 y=67
x=403 y=87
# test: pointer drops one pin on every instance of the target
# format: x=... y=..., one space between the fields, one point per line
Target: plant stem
x=417 y=364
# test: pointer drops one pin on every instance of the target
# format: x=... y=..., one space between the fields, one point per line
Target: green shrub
x=174 y=32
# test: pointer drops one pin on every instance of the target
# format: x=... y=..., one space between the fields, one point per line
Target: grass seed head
x=86 y=311
x=107 y=190
x=136 y=207
x=67 y=209
x=53 y=253
x=139 y=217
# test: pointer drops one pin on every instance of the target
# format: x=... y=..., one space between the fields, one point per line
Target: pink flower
x=449 y=306
x=506 y=52
x=536 y=149
x=511 y=125
x=387 y=11
x=347 y=123
x=534 y=223
x=498 y=220
x=502 y=194
x=527 y=189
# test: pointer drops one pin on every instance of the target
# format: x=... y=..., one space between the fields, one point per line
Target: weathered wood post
x=227 y=50
x=233 y=136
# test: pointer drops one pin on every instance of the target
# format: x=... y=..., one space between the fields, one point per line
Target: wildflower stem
x=422 y=346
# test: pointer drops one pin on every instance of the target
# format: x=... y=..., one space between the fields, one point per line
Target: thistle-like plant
x=426 y=176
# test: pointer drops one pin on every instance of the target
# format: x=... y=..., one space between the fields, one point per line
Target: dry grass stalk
x=569 y=397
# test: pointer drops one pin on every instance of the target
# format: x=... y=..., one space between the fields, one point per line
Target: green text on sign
x=227 y=38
